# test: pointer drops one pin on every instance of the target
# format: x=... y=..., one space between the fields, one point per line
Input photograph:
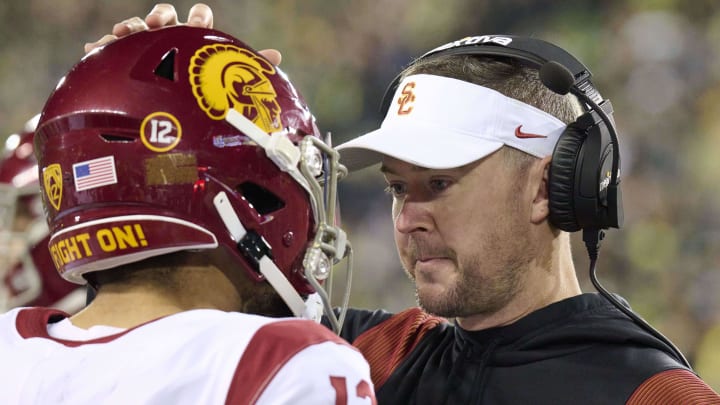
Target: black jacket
x=581 y=350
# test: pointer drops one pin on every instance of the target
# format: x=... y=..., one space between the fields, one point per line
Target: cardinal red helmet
x=27 y=274
x=184 y=139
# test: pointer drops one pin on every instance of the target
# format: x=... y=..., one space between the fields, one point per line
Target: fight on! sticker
x=105 y=239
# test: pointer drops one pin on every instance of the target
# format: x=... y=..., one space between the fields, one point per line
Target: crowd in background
x=657 y=60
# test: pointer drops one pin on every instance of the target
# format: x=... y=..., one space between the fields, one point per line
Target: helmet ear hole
x=166 y=67
x=261 y=199
x=117 y=138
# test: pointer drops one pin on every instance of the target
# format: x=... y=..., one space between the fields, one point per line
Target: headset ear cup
x=561 y=179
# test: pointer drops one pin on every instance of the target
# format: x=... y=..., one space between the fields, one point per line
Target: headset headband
x=532 y=51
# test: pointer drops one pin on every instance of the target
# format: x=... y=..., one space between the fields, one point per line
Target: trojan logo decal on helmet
x=52 y=182
x=225 y=77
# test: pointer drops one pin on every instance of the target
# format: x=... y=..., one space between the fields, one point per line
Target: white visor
x=437 y=122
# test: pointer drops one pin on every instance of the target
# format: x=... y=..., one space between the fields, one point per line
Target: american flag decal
x=94 y=173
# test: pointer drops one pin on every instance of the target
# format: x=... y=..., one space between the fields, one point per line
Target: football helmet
x=186 y=138
x=27 y=274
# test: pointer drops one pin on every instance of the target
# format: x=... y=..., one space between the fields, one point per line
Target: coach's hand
x=163 y=14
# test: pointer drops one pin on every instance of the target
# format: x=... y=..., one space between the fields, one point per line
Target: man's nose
x=413 y=215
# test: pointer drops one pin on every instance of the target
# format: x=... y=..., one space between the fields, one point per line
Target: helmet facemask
x=315 y=166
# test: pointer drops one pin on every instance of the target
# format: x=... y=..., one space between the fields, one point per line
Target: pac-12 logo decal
x=52 y=182
x=406 y=99
x=160 y=131
x=226 y=76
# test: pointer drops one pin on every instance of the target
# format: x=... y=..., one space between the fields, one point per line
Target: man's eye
x=395 y=189
x=438 y=185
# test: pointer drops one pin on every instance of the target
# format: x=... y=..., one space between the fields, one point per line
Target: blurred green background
x=657 y=60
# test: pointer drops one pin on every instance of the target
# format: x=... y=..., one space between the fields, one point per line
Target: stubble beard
x=487 y=280
x=475 y=293
x=265 y=301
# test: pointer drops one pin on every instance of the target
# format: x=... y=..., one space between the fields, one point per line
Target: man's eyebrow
x=388 y=170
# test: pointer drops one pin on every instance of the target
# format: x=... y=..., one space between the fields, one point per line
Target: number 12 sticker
x=160 y=131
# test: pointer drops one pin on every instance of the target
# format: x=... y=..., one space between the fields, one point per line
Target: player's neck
x=129 y=305
x=125 y=309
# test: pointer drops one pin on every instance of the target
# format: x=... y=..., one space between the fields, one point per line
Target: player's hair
x=155 y=271
x=167 y=272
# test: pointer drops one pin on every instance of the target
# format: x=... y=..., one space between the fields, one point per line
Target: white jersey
x=194 y=357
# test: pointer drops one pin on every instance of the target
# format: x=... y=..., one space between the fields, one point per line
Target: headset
x=584 y=176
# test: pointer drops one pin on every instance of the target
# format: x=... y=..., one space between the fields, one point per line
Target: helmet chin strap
x=310 y=309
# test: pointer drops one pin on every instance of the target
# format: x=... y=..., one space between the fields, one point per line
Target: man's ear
x=539 y=175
